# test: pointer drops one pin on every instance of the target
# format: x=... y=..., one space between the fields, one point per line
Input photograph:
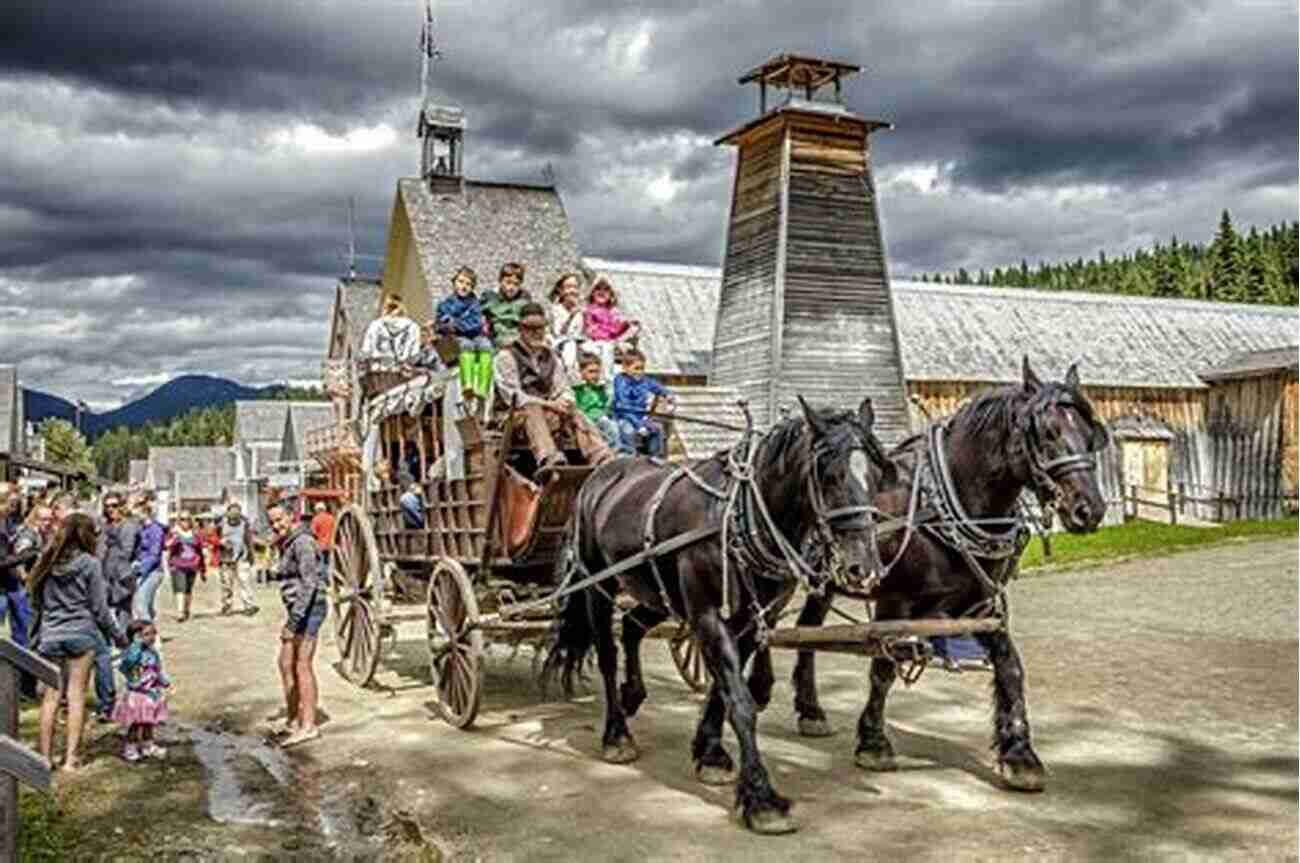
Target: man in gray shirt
x=236 y=556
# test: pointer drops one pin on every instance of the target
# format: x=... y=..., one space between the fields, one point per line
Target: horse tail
x=573 y=634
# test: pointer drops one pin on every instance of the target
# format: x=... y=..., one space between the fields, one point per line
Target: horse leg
x=761 y=679
x=812 y=720
x=636 y=623
x=761 y=807
x=617 y=745
x=875 y=752
x=1018 y=764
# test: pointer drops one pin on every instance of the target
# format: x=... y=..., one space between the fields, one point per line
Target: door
x=1146 y=465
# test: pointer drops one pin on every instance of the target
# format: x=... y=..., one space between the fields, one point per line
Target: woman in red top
x=185 y=562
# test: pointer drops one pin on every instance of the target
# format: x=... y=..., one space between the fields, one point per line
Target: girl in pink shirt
x=603 y=323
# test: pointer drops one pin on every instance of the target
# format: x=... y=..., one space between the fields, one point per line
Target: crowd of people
x=555 y=363
x=75 y=585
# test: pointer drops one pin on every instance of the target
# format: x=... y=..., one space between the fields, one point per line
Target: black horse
x=1036 y=435
x=742 y=516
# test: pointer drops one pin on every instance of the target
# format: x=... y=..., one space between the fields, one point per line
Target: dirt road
x=1163 y=697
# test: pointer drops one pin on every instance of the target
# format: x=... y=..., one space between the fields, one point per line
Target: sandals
x=302 y=735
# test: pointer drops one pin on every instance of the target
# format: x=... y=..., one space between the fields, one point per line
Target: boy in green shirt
x=592 y=397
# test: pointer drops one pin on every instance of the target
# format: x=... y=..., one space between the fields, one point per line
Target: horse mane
x=784 y=448
x=1007 y=408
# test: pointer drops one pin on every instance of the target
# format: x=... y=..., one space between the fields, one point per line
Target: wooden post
x=17 y=761
x=1218 y=508
x=8 y=784
x=1171 y=498
x=1133 y=492
x=1182 y=497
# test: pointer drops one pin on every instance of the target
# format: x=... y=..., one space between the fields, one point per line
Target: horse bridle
x=1047 y=474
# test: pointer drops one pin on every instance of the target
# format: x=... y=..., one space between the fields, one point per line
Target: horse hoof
x=624 y=752
x=769 y=822
x=880 y=762
x=710 y=774
x=1023 y=778
x=814 y=727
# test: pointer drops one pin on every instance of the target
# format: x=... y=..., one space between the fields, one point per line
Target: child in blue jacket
x=461 y=315
x=633 y=394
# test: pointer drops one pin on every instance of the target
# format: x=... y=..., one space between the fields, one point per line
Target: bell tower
x=442 y=134
x=805 y=307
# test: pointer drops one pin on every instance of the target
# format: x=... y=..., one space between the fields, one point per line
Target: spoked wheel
x=354 y=596
x=689 y=661
x=455 y=644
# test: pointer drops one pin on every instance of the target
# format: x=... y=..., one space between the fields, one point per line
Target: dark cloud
x=175 y=176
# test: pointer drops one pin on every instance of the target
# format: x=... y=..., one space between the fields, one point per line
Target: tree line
x=113 y=451
x=1257 y=267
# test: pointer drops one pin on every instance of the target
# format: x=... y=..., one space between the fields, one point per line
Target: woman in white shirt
x=565 y=326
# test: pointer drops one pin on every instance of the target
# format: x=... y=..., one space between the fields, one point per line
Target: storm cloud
x=175 y=176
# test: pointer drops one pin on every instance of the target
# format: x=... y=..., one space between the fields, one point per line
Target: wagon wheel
x=354 y=596
x=455 y=644
x=689 y=660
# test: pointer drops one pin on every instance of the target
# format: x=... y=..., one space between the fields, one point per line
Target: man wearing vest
x=236 y=555
x=530 y=375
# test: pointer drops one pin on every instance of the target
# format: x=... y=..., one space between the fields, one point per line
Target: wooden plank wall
x=742 y=345
x=1251 y=429
x=1182 y=411
x=838 y=339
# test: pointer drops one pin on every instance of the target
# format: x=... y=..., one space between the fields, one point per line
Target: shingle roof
x=262 y=421
x=138 y=471
x=951 y=332
x=11 y=411
x=487 y=225
x=199 y=484
x=676 y=305
x=1250 y=364
x=710 y=403
x=167 y=461
x=358 y=301
x=302 y=417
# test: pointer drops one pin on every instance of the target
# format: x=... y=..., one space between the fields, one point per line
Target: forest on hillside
x=1257 y=267
x=113 y=450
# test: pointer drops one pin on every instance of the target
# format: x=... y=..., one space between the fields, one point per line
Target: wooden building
x=804 y=272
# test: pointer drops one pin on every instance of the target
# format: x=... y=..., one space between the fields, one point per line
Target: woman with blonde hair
x=392 y=339
x=71 y=599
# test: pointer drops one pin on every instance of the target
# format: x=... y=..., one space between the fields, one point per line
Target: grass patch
x=1147 y=539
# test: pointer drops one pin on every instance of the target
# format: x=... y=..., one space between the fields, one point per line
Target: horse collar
x=955 y=526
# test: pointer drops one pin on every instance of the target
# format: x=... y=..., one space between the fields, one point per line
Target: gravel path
x=1163 y=695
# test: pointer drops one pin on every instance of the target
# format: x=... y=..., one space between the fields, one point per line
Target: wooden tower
x=805 y=306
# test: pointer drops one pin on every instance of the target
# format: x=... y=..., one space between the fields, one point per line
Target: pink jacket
x=604 y=323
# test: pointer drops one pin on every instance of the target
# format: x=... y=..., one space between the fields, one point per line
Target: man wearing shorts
x=302 y=589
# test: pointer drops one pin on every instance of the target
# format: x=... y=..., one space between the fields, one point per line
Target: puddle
x=247 y=779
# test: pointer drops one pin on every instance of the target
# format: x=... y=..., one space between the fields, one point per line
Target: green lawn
x=1146 y=539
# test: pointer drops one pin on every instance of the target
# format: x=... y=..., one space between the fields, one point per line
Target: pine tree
x=1226 y=269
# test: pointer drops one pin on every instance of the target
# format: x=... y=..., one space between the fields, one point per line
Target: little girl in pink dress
x=145 y=704
x=604 y=325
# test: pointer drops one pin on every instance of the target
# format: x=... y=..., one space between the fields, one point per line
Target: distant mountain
x=165 y=403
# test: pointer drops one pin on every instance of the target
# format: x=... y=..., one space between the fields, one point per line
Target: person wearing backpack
x=185 y=562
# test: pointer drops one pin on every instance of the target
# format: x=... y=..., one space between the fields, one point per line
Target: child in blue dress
x=145 y=704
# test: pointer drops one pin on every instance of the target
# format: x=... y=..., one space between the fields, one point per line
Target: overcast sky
x=174 y=175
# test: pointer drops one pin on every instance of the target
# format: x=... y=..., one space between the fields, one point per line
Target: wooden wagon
x=493 y=530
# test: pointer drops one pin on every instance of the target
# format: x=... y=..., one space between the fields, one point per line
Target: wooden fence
x=1175 y=499
x=17 y=762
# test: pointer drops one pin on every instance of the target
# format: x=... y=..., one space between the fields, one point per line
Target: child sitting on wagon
x=606 y=329
x=504 y=307
x=461 y=315
x=634 y=392
x=592 y=398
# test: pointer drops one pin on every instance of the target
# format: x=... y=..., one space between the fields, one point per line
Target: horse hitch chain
x=909 y=654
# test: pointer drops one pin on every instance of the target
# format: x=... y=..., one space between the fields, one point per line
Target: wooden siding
x=838 y=340
x=742 y=347
x=805 y=306
x=403 y=273
x=1237 y=438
